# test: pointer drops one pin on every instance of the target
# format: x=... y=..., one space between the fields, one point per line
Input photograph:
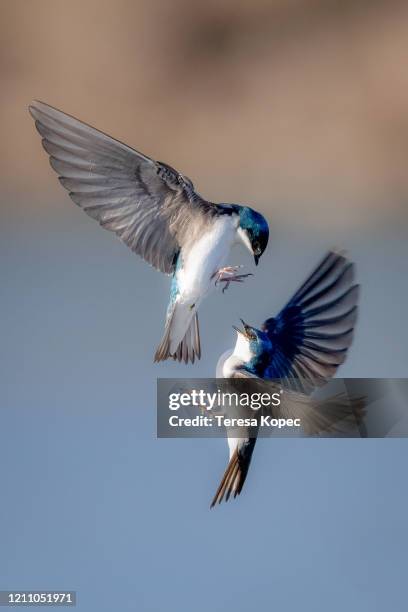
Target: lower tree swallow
x=155 y=211
x=302 y=347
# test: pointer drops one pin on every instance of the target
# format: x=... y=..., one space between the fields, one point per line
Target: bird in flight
x=302 y=347
x=155 y=211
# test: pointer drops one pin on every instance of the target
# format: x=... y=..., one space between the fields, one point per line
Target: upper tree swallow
x=155 y=211
x=302 y=347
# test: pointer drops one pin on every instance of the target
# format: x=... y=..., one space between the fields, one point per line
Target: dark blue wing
x=312 y=333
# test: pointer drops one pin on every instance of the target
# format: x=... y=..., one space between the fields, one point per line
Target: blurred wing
x=335 y=414
x=148 y=204
x=311 y=334
x=317 y=416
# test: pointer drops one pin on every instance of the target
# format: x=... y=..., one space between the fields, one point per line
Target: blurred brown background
x=298 y=107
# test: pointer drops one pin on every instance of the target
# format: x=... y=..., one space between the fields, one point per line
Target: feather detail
x=187 y=350
x=147 y=204
x=312 y=333
x=237 y=469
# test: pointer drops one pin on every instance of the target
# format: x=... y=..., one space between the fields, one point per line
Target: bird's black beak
x=256 y=258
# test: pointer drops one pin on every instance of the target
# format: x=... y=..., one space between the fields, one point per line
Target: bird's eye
x=256 y=248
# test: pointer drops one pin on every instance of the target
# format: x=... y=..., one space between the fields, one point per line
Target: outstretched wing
x=148 y=204
x=311 y=334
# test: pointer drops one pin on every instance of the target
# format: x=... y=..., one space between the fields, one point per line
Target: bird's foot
x=229 y=275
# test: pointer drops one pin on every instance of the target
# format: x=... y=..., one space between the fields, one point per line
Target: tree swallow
x=155 y=211
x=302 y=347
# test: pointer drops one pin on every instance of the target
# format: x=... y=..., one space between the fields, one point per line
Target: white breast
x=233 y=359
x=242 y=349
x=206 y=256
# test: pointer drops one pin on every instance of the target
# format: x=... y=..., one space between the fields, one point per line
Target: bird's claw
x=228 y=275
x=237 y=279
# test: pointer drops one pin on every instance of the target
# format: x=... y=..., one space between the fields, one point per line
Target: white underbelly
x=208 y=255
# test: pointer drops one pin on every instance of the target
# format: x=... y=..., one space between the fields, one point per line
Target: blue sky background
x=92 y=501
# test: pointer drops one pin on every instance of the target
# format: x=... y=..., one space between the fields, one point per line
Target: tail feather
x=189 y=348
x=235 y=475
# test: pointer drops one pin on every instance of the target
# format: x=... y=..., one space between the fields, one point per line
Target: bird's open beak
x=243 y=332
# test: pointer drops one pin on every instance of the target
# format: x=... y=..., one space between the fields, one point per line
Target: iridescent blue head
x=253 y=230
x=253 y=347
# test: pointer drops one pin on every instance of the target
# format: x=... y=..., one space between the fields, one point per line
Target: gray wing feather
x=316 y=416
x=148 y=204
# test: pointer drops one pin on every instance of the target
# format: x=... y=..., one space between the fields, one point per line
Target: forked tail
x=236 y=472
x=187 y=350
